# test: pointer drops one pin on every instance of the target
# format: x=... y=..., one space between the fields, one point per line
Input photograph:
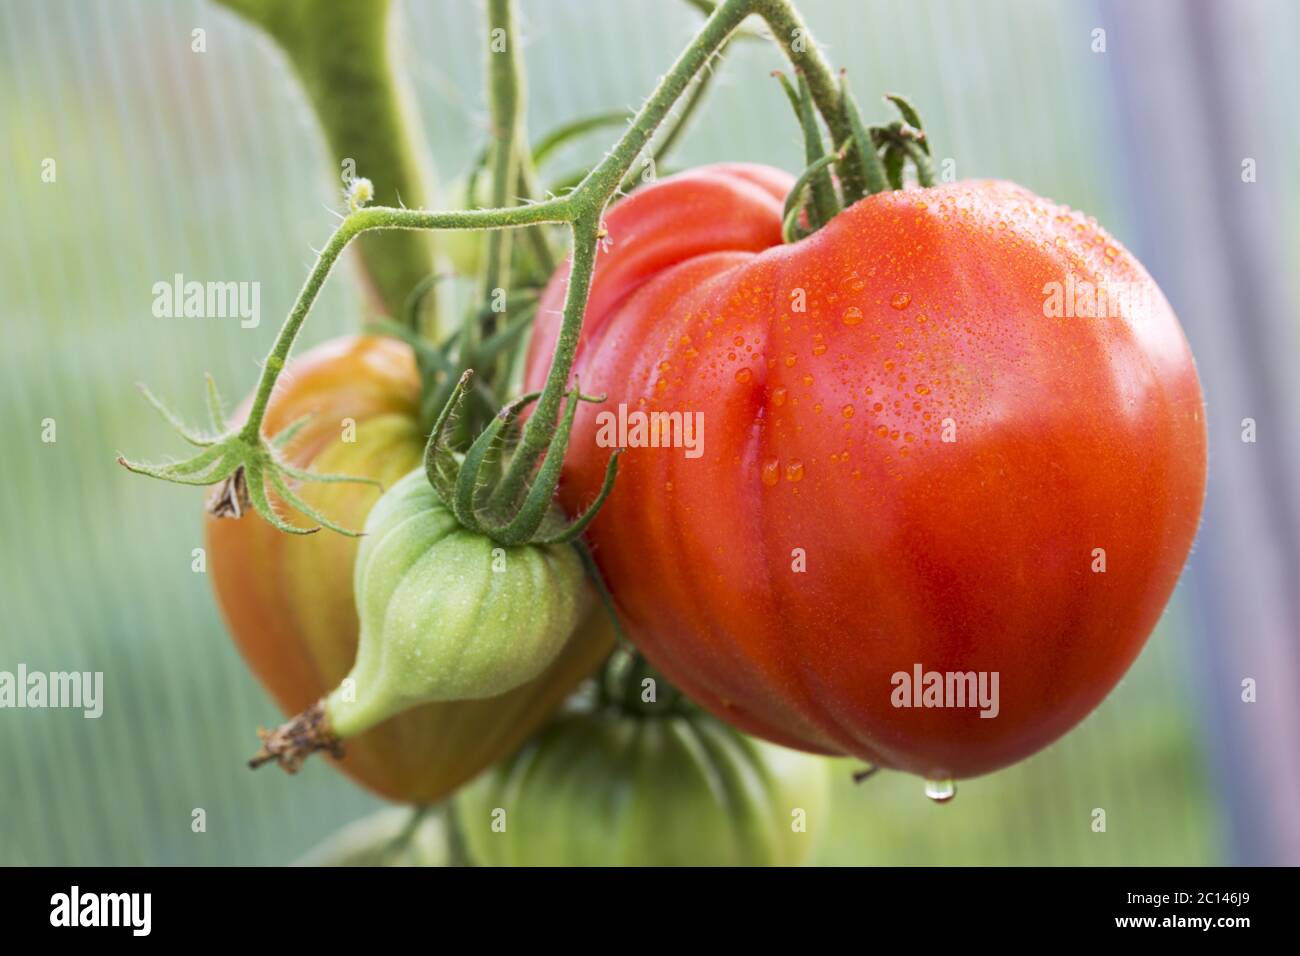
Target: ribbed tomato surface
x=910 y=457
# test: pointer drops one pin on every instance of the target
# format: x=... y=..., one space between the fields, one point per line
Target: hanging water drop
x=940 y=791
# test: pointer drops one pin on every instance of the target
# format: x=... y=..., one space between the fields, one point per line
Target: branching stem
x=582 y=208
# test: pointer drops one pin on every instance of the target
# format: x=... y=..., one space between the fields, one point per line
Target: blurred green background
x=209 y=164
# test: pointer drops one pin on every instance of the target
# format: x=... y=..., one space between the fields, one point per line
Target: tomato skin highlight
x=824 y=431
x=288 y=600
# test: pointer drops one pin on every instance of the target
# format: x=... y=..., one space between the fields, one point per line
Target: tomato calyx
x=476 y=488
x=471 y=488
x=244 y=466
x=868 y=160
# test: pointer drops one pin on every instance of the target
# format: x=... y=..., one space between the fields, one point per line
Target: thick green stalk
x=340 y=52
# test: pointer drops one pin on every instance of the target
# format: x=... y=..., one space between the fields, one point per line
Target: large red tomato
x=907 y=461
x=287 y=599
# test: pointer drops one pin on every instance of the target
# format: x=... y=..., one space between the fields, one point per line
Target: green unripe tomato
x=448 y=614
x=611 y=789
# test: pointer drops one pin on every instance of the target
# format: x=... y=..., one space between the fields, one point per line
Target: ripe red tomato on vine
x=915 y=461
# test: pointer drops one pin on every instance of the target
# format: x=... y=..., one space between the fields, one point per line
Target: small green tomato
x=447 y=614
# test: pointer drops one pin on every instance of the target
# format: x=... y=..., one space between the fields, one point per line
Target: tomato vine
x=246 y=465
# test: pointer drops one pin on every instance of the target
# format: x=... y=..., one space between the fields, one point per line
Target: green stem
x=402 y=839
x=589 y=200
x=675 y=131
x=457 y=849
x=372 y=218
x=796 y=40
x=505 y=97
x=535 y=237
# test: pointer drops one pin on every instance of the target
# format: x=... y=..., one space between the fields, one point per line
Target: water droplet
x=790 y=360
x=794 y=471
x=739 y=340
x=743 y=375
x=882 y=431
x=900 y=301
x=771 y=472
x=940 y=791
x=922 y=390
x=852 y=316
x=1111 y=252
x=847 y=411
x=778 y=397
x=819 y=349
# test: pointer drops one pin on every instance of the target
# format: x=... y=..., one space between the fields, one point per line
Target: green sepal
x=243 y=467
x=440 y=464
x=911 y=117
x=868 y=161
x=524 y=525
x=790 y=230
x=893 y=161
x=482 y=463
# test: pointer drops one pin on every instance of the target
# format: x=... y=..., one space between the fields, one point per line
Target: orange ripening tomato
x=288 y=599
x=926 y=430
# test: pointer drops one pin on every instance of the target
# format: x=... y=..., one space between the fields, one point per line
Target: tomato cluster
x=288 y=600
